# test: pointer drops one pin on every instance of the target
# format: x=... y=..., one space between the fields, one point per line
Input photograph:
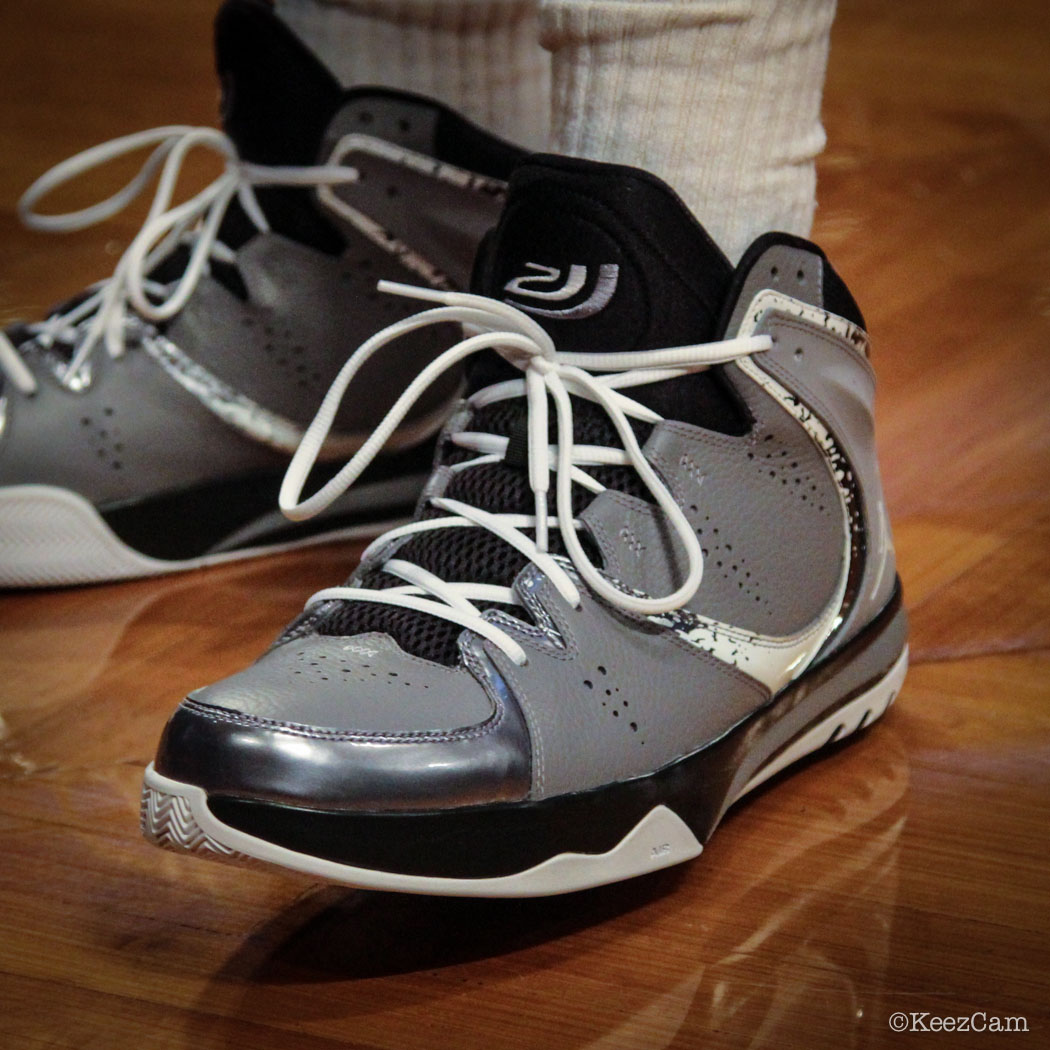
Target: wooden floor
x=906 y=872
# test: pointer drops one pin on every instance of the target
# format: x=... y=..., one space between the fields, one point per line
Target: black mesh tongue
x=277 y=97
x=605 y=257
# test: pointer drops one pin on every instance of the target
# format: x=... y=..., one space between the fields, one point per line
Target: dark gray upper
x=134 y=431
x=792 y=537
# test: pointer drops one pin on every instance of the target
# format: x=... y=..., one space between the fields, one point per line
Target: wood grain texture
x=905 y=871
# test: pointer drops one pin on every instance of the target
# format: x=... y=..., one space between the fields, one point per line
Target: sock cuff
x=719 y=97
x=590 y=22
x=478 y=56
x=450 y=15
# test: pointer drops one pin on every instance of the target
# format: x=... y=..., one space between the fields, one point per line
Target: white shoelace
x=194 y=221
x=547 y=373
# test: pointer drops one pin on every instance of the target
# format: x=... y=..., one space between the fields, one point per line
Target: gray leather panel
x=839 y=385
x=401 y=120
x=764 y=507
x=363 y=684
x=305 y=314
x=134 y=431
x=285 y=344
x=226 y=752
x=616 y=698
x=442 y=221
x=791 y=271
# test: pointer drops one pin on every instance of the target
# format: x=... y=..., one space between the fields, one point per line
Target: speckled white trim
x=772 y=660
x=262 y=425
x=422 y=165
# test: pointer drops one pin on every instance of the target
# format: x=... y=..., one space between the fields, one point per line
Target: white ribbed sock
x=719 y=97
x=481 y=57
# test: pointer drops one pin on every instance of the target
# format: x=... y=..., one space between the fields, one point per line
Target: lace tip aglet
x=413 y=291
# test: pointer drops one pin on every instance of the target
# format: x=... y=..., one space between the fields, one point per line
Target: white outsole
x=848 y=719
x=51 y=537
x=176 y=816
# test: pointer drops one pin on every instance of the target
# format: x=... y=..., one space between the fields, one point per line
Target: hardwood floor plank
x=894 y=833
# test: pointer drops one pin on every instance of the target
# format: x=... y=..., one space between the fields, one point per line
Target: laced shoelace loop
x=548 y=376
x=167 y=225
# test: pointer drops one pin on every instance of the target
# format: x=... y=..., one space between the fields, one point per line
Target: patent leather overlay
x=242 y=755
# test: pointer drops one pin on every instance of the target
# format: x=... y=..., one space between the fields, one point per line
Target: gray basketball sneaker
x=145 y=425
x=652 y=569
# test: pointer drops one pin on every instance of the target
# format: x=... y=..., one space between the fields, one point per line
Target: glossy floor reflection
x=905 y=871
x=758 y=948
x=865 y=882
x=781 y=913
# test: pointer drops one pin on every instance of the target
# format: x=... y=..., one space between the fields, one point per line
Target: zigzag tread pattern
x=168 y=821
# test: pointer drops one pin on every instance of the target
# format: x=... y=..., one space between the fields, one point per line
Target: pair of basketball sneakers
x=648 y=565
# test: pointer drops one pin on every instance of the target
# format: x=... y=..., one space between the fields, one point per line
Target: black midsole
x=197 y=521
x=488 y=841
